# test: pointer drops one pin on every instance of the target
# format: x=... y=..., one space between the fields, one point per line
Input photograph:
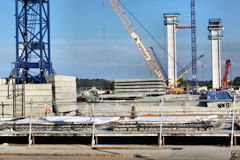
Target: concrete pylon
x=215 y=29
x=171 y=22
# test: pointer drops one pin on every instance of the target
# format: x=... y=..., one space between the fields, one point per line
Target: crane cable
x=146 y=30
x=103 y=19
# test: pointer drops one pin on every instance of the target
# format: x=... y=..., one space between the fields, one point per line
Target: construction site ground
x=72 y=152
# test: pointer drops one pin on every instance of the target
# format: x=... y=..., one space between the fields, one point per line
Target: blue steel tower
x=33 y=56
x=194 y=44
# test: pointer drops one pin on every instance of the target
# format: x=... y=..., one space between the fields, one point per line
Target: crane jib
x=156 y=71
x=141 y=46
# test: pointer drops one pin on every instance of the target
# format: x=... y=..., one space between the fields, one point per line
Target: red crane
x=226 y=71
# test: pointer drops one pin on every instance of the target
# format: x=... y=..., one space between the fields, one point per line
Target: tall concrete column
x=215 y=35
x=171 y=22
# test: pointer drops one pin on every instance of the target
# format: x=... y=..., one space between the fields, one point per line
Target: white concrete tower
x=171 y=22
x=215 y=35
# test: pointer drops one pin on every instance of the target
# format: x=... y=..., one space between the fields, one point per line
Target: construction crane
x=159 y=63
x=194 y=44
x=182 y=72
x=137 y=40
x=177 y=89
x=226 y=71
x=33 y=57
x=188 y=66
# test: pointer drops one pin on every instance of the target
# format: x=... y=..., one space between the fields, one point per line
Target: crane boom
x=224 y=79
x=189 y=65
x=137 y=40
x=178 y=79
x=159 y=63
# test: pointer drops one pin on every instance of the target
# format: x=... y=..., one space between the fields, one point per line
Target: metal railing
x=93 y=112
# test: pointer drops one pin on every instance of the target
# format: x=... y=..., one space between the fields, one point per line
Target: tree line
x=98 y=83
x=235 y=82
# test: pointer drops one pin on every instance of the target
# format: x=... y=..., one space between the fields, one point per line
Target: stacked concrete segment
x=144 y=86
x=65 y=93
x=3 y=81
x=40 y=94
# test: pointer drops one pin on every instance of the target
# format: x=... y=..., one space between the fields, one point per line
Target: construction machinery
x=137 y=40
x=33 y=57
x=218 y=98
x=221 y=97
x=194 y=44
x=177 y=89
x=225 y=75
x=188 y=66
x=181 y=73
x=159 y=63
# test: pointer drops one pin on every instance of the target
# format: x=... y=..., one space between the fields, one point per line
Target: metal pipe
x=160 y=132
x=233 y=120
x=93 y=129
x=30 y=125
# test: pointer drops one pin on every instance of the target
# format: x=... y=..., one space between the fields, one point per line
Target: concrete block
x=38 y=86
x=3 y=81
x=66 y=108
x=138 y=80
x=38 y=93
x=6 y=101
x=4 y=87
x=137 y=83
x=65 y=89
x=5 y=94
x=27 y=87
x=69 y=101
x=37 y=111
x=139 y=87
x=60 y=78
x=64 y=84
x=65 y=96
x=139 y=90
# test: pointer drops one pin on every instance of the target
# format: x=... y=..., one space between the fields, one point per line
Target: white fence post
x=161 y=116
x=30 y=125
x=233 y=119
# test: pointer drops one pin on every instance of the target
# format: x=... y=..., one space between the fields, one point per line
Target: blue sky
x=89 y=40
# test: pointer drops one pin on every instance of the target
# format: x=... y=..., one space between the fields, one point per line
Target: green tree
x=236 y=81
x=209 y=84
x=182 y=82
x=98 y=83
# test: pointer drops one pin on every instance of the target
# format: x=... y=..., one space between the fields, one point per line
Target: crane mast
x=194 y=44
x=137 y=40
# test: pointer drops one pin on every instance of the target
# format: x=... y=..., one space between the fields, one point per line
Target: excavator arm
x=137 y=40
x=178 y=79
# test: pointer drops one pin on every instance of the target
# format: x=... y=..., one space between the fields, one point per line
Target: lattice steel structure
x=33 y=56
x=194 y=44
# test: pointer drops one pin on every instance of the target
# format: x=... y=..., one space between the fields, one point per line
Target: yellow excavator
x=177 y=89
